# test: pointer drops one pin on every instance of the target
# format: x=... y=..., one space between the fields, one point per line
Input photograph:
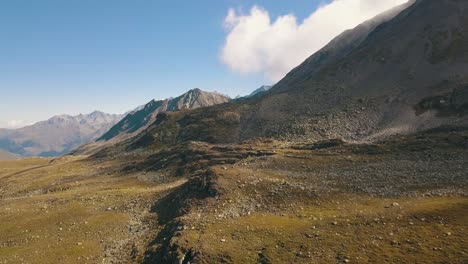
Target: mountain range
x=138 y=120
x=401 y=72
x=57 y=135
x=61 y=134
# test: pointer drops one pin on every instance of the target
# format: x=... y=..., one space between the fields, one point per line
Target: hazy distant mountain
x=141 y=118
x=56 y=136
x=5 y=155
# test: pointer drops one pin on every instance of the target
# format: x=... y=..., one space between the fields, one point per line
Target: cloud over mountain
x=258 y=43
x=16 y=123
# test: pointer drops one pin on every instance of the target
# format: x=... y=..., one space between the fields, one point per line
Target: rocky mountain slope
x=401 y=72
x=138 y=120
x=399 y=76
x=141 y=118
x=58 y=135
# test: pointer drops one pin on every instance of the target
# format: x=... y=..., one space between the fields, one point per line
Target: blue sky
x=76 y=56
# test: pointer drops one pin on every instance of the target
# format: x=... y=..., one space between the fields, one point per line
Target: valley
x=358 y=155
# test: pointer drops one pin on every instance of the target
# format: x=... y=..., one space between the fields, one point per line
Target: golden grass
x=56 y=212
x=357 y=228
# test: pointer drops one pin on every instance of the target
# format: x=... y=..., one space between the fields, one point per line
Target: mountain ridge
x=137 y=121
x=191 y=99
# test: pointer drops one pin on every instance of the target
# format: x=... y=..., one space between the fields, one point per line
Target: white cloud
x=256 y=44
x=16 y=123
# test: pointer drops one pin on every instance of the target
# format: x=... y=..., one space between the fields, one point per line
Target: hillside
x=57 y=135
x=407 y=74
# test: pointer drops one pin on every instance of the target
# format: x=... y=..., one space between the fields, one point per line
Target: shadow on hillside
x=168 y=209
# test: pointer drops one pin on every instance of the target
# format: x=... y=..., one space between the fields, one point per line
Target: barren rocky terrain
x=401 y=200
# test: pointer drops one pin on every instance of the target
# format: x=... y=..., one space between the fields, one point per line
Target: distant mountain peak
x=257 y=92
x=262 y=89
x=142 y=118
x=97 y=113
x=195 y=90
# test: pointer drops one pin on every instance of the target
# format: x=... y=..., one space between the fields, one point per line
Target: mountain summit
x=138 y=120
x=261 y=90
x=141 y=118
